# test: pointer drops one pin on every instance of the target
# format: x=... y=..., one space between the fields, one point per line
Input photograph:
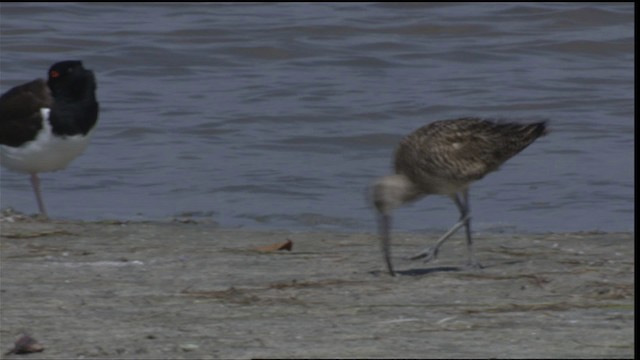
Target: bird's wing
x=461 y=150
x=20 y=117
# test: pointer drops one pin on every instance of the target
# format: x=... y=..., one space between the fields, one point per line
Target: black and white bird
x=444 y=158
x=45 y=125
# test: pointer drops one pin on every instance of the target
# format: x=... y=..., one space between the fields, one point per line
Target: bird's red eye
x=54 y=74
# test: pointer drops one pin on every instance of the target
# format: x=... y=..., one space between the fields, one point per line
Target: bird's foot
x=40 y=217
x=427 y=255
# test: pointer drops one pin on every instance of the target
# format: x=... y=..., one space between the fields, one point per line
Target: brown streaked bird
x=444 y=158
x=45 y=125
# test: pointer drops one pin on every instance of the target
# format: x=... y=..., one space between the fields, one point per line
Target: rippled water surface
x=281 y=115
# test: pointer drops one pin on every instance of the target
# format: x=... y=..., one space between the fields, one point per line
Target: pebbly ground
x=136 y=290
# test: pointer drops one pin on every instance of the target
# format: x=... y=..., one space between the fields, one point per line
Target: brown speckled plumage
x=445 y=157
x=457 y=152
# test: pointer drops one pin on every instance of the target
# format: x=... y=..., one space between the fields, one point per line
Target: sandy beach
x=187 y=290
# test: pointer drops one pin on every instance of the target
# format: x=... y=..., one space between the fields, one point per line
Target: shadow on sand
x=419 y=272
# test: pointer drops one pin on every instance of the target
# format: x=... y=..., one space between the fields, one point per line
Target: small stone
x=25 y=345
x=189 y=347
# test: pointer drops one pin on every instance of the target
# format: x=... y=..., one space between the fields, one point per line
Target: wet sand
x=178 y=289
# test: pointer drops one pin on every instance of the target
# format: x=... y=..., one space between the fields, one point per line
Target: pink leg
x=35 y=183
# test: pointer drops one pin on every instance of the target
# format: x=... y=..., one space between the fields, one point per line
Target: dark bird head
x=75 y=107
x=388 y=193
x=70 y=79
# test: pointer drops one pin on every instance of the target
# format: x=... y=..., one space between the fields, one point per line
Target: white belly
x=45 y=153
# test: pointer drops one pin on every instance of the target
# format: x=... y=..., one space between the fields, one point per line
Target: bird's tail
x=539 y=129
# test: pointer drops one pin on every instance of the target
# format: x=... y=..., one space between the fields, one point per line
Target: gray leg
x=473 y=262
x=35 y=183
x=431 y=253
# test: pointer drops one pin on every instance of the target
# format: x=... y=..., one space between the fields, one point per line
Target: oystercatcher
x=45 y=125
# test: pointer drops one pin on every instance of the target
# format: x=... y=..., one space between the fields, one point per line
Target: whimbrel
x=45 y=125
x=444 y=158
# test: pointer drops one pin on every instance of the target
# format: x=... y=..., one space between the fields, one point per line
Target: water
x=280 y=115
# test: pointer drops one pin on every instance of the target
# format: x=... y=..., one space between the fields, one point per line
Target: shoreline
x=185 y=289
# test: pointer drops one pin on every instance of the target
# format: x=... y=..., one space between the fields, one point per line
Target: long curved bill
x=384 y=224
